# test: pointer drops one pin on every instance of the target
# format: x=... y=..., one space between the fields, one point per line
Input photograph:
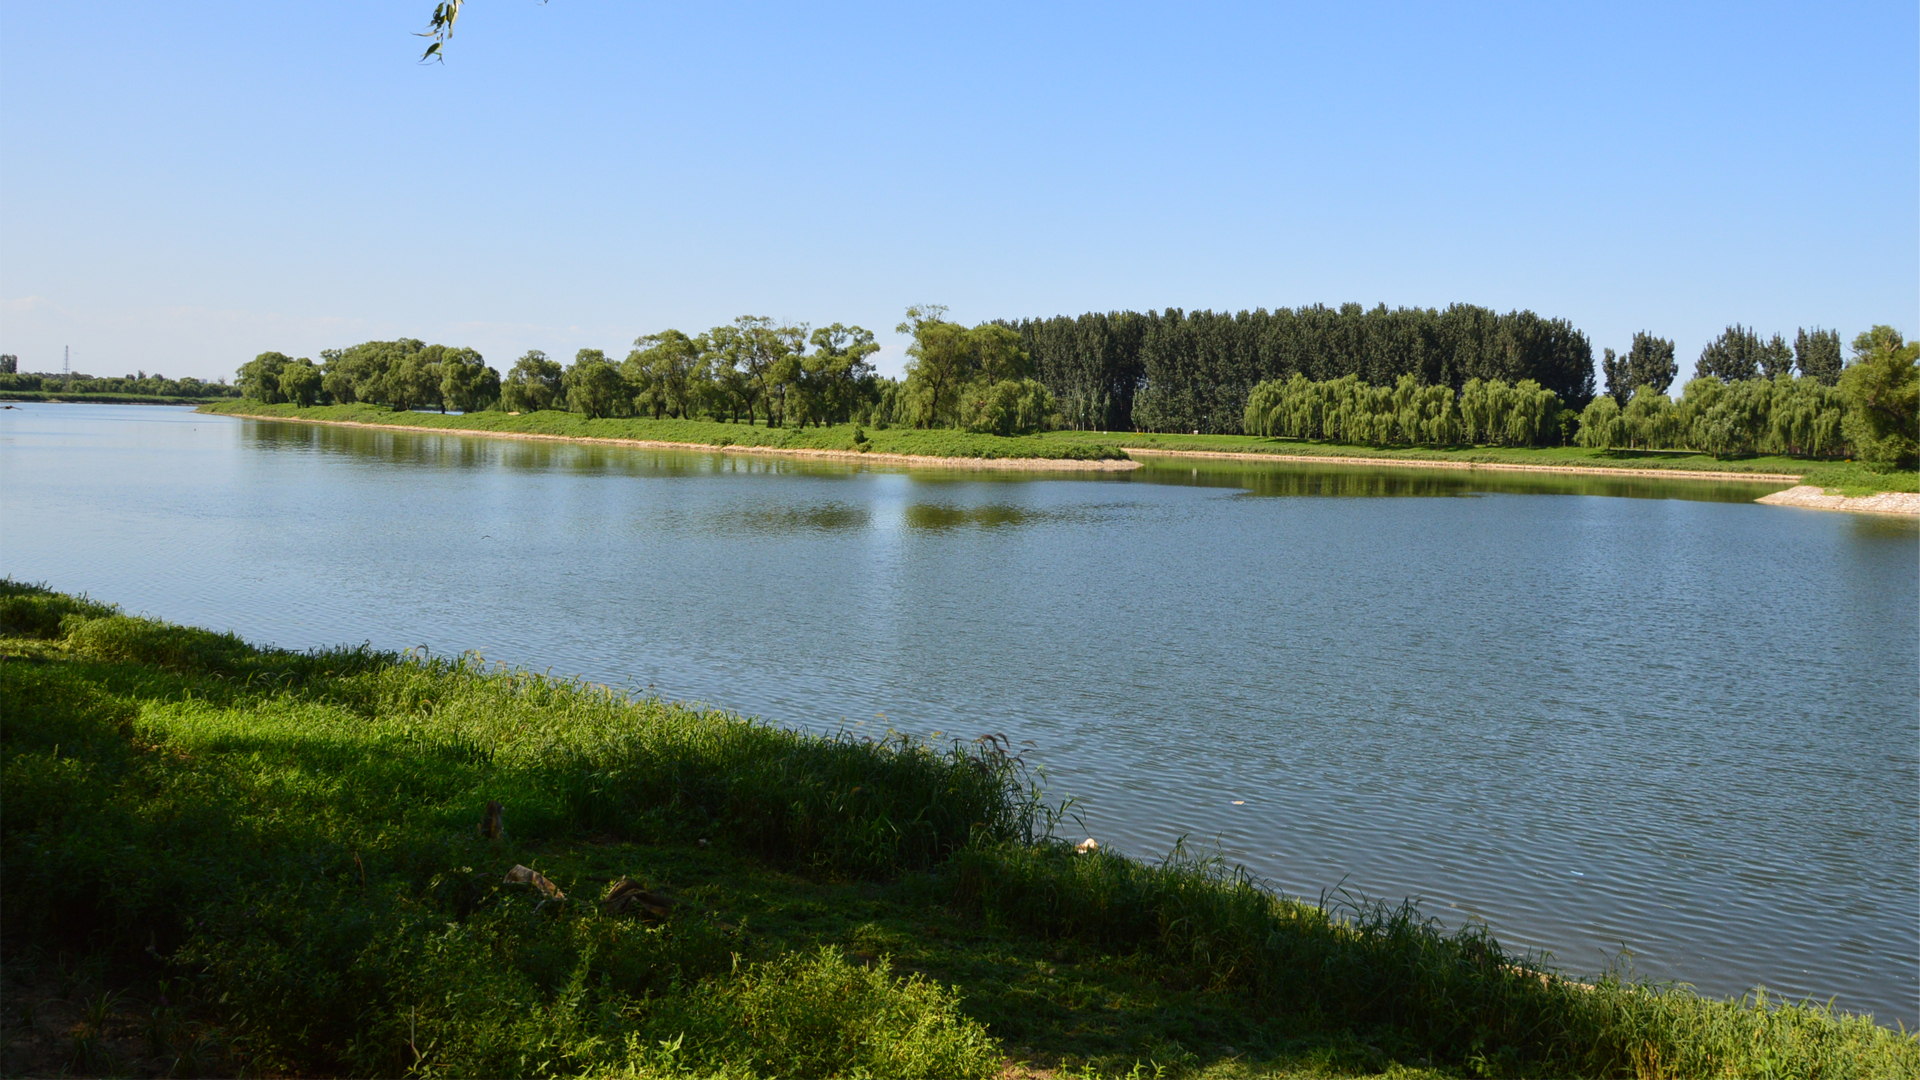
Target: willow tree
x=259 y=378
x=533 y=383
x=668 y=372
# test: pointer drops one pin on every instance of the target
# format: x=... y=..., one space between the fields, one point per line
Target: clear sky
x=184 y=185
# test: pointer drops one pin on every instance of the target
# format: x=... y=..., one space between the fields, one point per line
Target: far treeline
x=1409 y=376
x=1743 y=399
x=753 y=370
x=141 y=384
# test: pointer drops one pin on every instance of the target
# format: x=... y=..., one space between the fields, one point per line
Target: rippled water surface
x=1598 y=714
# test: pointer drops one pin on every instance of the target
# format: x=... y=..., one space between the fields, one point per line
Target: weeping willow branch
x=440 y=28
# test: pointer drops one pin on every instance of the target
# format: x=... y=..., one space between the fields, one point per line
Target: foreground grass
x=841 y=437
x=229 y=860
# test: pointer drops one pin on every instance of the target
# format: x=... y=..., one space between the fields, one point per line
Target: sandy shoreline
x=1808 y=497
x=872 y=457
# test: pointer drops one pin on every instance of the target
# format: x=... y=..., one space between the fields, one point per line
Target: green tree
x=1775 y=358
x=594 y=386
x=937 y=363
x=532 y=385
x=1602 y=424
x=1818 y=354
x=1731 y=357
x=300 y=382
x=1882 y=391
x=673 y=370
x=413 y=380
x=1652 y=423
x=845 y=376
x=259 y=378
x=730 y=357
x=466 y=382
x=1648 y=363
x=1006 y=407
x=9 y=364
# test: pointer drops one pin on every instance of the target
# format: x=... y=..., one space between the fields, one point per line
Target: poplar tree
x=1818 y=354
x=1731 y=357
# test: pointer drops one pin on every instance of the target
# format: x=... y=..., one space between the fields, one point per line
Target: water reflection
x=1363 y=481
x=1297 y=479
x=937 y=516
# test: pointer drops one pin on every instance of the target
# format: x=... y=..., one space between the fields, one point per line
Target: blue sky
x=185 y=185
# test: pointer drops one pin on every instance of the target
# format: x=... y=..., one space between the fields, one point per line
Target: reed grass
x=286 y=846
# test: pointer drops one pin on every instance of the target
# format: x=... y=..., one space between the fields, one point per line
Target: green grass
x=931 y=443
x=225 y=859
x=1854 y=479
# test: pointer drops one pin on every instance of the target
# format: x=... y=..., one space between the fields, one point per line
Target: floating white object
x=1086 y=846
x=1239 y=802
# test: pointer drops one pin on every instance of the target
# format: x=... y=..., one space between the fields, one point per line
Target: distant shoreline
x=1801 y=495
x=876 y=457
x=1577 y=470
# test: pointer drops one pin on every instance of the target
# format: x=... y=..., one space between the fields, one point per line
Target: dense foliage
x=1194 y=371
x=1406 y=413
x=290 y=850
x=1868 y=408
x=139 y=384
x=1380 y=377
x=1648 y=363
x=1882 y=386
x=1782 y=415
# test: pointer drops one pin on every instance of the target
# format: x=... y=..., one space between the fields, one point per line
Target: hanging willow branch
x=440 y=28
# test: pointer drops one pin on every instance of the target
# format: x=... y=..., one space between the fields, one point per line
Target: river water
x=1623 y=721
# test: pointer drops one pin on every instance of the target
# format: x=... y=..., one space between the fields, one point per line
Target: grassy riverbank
x=941 y=442
x=1839 y=478
x=225 y=859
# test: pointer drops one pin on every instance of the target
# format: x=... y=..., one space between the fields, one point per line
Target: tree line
x=1195 y=371
x=1753 y=396
x=1409 y=412
x=155 y=385
x=753 y=370
x=1409 y=376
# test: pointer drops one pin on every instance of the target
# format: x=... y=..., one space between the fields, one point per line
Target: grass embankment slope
x=1839 y=478
x=841 y=438
x=225 y=859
